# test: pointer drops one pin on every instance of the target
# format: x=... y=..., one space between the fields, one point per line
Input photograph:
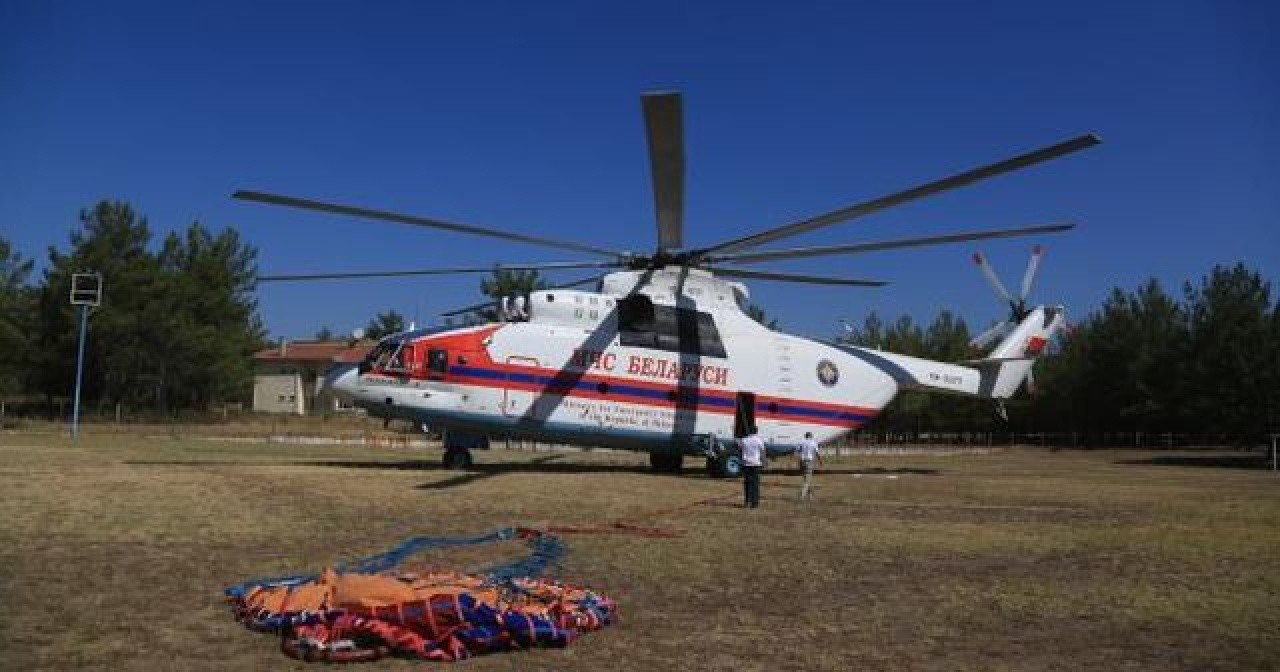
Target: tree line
x=175 y=330
x=179 y=324
x=1206 y=363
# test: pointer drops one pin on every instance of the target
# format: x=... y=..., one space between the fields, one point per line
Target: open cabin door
x=744 y=414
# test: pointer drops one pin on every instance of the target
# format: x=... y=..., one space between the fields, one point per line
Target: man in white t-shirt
x=752 y=461
x=807 y=455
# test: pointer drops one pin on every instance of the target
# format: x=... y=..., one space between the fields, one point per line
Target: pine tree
x=1232 y=368
x=175 y=330
x=507 y=283
x=383 y=324
x=17 y=309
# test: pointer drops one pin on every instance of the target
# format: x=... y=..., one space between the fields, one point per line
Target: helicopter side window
x=691 y=332
x=635 y=322
x=666 y=331
x=437 y=362
x=709 y=342
x=644 y=325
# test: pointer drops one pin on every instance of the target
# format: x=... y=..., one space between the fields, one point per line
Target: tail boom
x=997 y=376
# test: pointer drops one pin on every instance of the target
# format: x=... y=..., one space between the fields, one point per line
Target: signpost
x=86 y=292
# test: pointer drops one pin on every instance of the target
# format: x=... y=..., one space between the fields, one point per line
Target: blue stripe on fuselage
x=559 y=384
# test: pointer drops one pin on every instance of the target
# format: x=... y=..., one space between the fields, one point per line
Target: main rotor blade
x=867 y=207
x=549 y=265
x=368 y=213
x=663 y=126
x=992 y=278
x=792 y=277
x=856 y=248
x=1027 y=278
x=485 y=304
x=470 y=309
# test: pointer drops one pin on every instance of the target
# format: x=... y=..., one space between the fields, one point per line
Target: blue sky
x=526 y=116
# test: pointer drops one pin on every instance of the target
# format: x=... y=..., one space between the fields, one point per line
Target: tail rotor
x=1033 y=265
x=990 y=274
x=1018 y=310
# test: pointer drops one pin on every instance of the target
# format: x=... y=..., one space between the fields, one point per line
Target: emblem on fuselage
x=828 y=374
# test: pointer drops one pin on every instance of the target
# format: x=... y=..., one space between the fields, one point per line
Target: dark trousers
x=751 y=486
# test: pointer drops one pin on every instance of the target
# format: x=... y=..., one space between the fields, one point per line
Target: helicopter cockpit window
x=644 y=325
x=386 y=357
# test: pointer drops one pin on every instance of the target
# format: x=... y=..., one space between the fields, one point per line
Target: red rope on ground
x=629 y=525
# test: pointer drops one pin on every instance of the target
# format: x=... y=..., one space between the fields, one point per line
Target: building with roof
x=286 y=377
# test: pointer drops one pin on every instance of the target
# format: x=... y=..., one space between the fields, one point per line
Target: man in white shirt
x=807 y=455
x=752 y=462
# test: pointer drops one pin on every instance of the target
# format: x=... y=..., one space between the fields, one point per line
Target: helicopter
x=657 y=353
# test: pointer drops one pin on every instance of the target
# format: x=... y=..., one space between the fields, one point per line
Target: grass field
x=114 y=552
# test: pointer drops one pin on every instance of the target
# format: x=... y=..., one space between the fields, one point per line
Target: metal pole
x=75 y=413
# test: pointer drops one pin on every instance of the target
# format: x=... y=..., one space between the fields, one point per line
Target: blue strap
x=546 y=550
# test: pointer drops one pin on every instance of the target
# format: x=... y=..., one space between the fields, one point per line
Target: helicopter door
x=517 y=397
x=744 y=415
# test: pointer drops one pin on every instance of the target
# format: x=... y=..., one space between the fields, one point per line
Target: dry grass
x=114 y=552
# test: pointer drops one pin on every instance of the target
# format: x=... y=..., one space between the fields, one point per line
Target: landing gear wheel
x=457 y=459
x=725 y=466
x=667 y=463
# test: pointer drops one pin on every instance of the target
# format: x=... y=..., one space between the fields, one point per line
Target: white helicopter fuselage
x=663 y=361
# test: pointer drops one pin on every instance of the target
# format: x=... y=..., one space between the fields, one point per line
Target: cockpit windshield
x=386 y=356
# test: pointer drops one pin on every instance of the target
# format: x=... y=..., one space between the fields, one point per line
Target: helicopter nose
x=341 y=380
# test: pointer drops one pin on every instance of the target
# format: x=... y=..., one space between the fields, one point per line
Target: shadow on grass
x=401 y=465
x=547 y=464
x=1235 y=461
x=869 y=471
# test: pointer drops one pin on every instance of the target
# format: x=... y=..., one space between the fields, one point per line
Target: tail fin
x=1009 y=364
